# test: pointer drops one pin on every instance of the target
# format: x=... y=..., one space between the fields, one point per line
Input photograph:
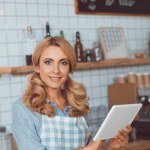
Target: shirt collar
x=54 y=104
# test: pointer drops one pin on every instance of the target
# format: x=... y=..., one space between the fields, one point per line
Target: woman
x=51 y=114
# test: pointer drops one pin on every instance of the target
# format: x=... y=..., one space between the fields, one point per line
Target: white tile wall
x=15 y=15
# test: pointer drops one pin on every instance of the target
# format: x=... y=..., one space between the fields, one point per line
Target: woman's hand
x=94 y=145
x=121 y=139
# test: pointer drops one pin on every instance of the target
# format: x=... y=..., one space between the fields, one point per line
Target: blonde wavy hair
x=35 y=96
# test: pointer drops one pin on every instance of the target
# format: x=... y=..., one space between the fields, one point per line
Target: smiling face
x=53 y=67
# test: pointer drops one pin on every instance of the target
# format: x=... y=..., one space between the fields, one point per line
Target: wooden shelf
x=113 y=63
x=16 y=70
x=82 y=66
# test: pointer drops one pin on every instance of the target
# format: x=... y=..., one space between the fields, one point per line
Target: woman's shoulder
x=18 y=105
x=22 y=109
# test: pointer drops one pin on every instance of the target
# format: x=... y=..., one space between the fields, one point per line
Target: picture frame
x=113 y=7
x=112 y=40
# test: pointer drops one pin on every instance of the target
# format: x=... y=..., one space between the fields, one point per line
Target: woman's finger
x=121 y=140
x=129 y=128
x=124 y=132
x=122 y=135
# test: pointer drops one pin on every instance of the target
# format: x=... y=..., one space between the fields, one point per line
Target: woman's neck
x=56 y=97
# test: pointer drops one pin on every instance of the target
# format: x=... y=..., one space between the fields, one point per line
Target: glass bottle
x=149 y=46
x=79 y=48
x=62 y=34
x=29 y=43
x=98 y=52
x=47 y=27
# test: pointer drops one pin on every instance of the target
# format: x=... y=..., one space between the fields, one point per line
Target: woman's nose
x=56 y=68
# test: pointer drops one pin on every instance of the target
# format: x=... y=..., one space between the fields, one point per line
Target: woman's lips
x=55 y=78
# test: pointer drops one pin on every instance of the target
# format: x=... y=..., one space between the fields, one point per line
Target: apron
x=64 y=133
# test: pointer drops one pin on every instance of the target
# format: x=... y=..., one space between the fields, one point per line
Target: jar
x=5 y=139
x=98 y=52
x=89 y=55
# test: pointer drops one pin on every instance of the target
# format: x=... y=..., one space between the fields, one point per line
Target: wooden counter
x=135 y=145
x=138 y=145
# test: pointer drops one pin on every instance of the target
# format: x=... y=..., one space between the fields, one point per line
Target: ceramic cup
x=131 y=78
x=121 y=79
x=140 y=80
x=146 y=78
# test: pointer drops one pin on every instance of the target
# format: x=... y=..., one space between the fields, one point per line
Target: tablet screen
x=118 y=117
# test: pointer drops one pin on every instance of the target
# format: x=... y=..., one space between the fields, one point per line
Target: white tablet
x=118 y=117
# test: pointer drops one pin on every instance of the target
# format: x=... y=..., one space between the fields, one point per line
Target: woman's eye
x=47 y=62
x=64 y=62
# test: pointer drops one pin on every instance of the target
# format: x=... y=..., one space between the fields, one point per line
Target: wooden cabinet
x=82 y=65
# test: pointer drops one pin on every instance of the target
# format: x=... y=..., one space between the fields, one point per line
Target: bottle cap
x=77 y=33
x=2 y=129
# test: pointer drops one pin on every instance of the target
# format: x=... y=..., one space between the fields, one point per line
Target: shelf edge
x=20 y=70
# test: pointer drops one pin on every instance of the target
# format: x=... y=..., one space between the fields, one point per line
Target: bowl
x=139 y=55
